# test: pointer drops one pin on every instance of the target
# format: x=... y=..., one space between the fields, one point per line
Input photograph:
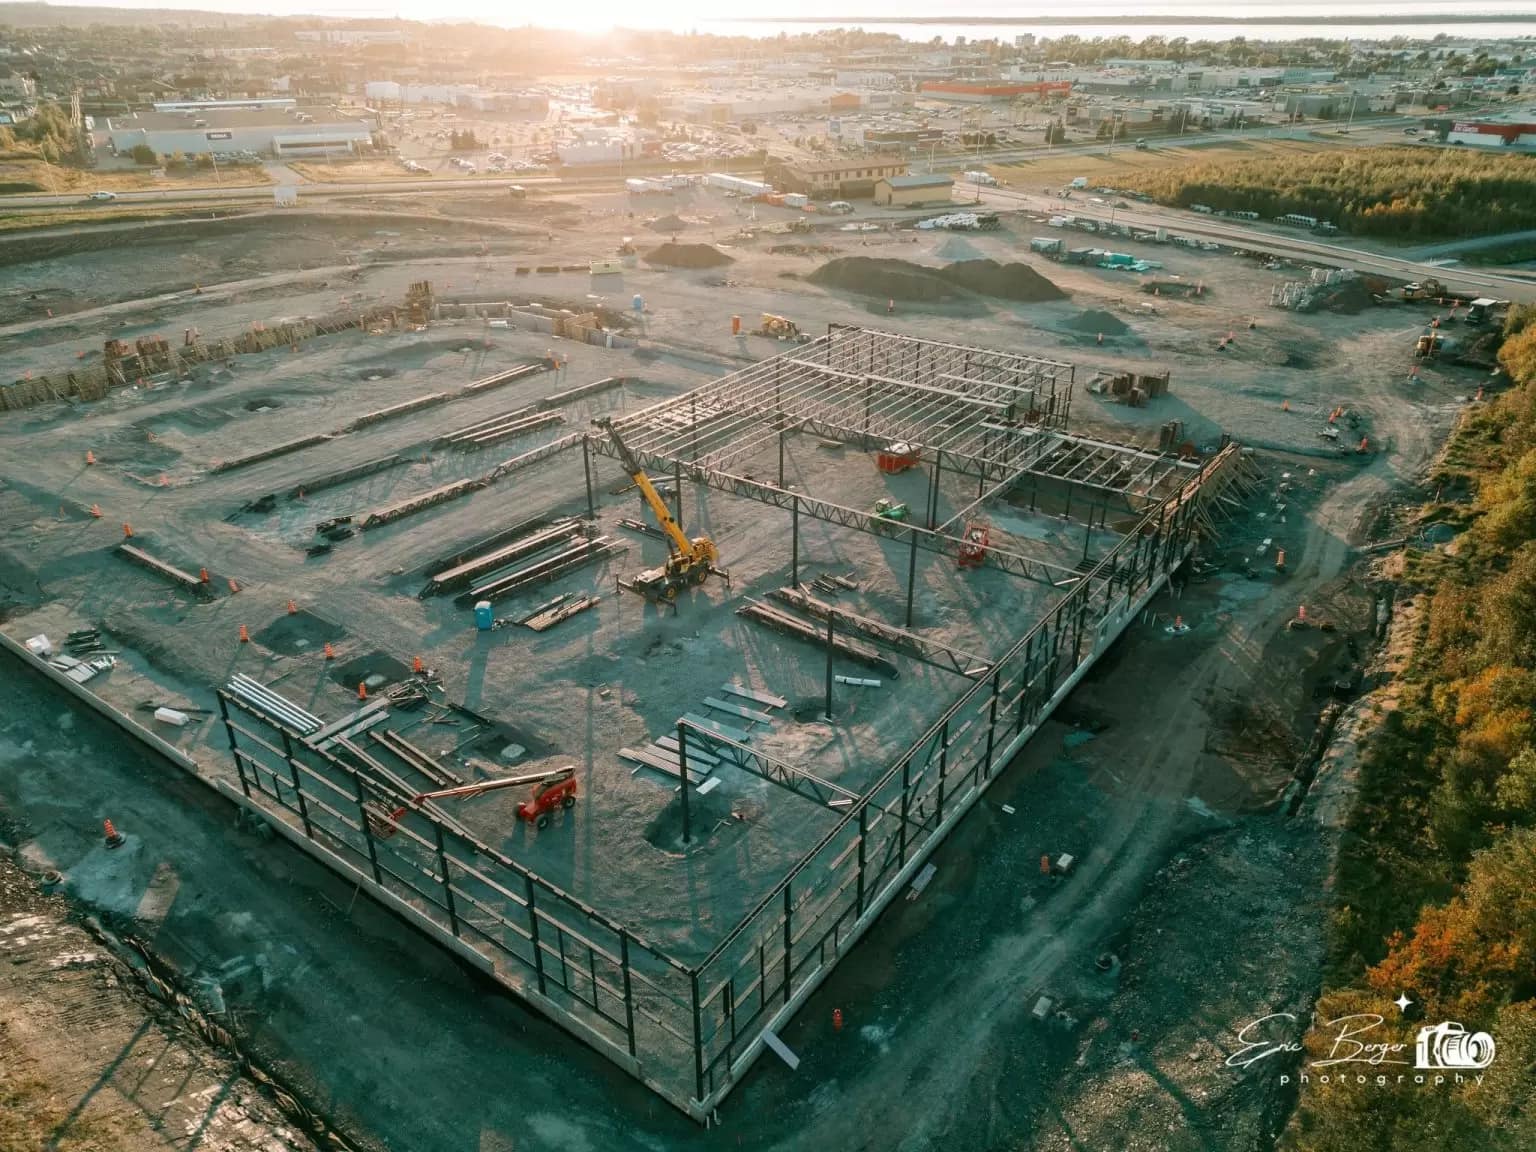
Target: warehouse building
x=290 y=132
x=832 y=178
x=914 y=191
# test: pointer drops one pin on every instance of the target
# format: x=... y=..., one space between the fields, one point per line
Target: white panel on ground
x=780 y=1049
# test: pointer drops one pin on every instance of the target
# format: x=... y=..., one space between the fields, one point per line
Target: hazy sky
x=598 y=15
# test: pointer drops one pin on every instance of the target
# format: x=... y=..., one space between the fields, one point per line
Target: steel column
x=298 y=788
x=442 y=863
x=682 y=773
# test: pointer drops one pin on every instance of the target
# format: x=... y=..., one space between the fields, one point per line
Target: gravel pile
x=903 y=280
x=687 y=256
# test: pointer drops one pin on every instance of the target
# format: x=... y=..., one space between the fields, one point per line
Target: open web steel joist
x=975 y=411
x=996 y=416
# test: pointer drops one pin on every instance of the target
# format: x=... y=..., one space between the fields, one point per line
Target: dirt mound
x=669 y=223
x=1096 y=321
x=1351 y=296
x=901 y=280
x=687 y=256
x=1005 y=281
x=873 y=276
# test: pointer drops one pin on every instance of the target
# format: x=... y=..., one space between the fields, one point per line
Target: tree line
x=1434 y=891
x=1390 y=191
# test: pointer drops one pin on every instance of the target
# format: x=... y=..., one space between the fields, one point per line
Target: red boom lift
x=555 y=788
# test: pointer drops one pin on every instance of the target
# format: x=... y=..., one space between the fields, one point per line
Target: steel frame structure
x=690 y=1031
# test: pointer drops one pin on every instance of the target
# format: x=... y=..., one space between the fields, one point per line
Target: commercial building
x=470 y=96
x=964 y=92
x=17 y=87
x=912 y=191
x=717 y=106
x=832 y=178
x=1493 y=134
x=269 y=132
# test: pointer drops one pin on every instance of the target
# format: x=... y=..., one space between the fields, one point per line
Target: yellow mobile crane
x=690 y=562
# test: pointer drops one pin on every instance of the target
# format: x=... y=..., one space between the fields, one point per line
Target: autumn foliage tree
x=1435 y=889
x=1387 y=191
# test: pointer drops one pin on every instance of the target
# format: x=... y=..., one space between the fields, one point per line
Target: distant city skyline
x=1193 y=19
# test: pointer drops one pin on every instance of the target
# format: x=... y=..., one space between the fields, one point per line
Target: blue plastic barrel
x=485 y=615
x=638 y=303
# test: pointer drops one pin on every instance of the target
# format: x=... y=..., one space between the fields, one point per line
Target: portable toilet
x=485 y=615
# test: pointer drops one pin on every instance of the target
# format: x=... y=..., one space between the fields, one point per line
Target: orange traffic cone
x=362 y=690
x=233 y=586
x=1045 y=865
x=245 y=634
x=202 y=575
x=96 y=511
x=417 y=666
x=127 y=531
x=1285 y=405
x=115 y=839
x=837 y=1019
x=90 y=457
x=330 y=653
x=293 y=609
x=1301 y=612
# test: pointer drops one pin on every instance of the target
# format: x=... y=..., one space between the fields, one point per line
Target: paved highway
x=262 y=193
x=1262 y=239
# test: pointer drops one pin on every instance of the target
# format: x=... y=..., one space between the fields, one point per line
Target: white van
x=982 y=178
x=1078 y=182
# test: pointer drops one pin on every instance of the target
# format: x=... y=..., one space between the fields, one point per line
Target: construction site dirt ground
x=1176 y=748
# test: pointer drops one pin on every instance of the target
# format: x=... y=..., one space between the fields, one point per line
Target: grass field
x=108 y=214
x=348 y=171
x=1103 y=167
x=55 y=179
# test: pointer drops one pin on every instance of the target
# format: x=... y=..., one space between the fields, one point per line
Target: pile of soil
x=1005 y=281
x=874 y=276
x=1095 y=321
x=1351 y=296
x=672 y=222
x=902 y=280
x=687 y=256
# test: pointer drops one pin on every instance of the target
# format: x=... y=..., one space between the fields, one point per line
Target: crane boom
x=691 y=561
x=680 y=541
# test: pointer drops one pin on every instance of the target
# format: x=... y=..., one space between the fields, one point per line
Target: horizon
x=1143 y=17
